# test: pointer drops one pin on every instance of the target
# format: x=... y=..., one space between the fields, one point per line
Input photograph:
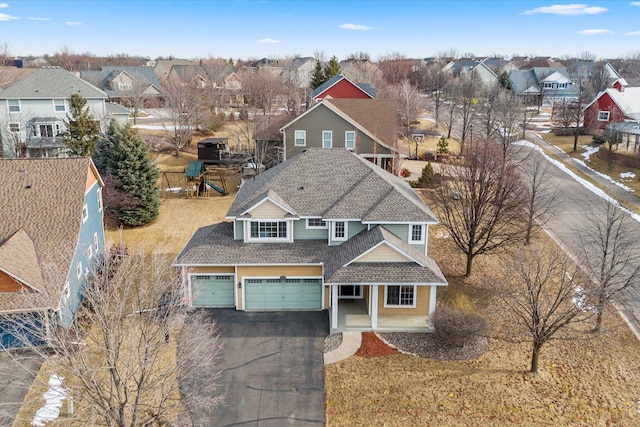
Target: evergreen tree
x=443 y=146
x=332 y=69
x=318 y=76
x=123 y=155
x=82 y=129
x=427 y=175
x=504 y=81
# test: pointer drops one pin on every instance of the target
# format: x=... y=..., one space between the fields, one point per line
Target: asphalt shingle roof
x=50 y=82
x=40 y=200
x=335 y=183
x=365 y=87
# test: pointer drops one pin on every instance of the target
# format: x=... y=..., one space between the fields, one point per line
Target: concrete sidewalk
x=350 y=344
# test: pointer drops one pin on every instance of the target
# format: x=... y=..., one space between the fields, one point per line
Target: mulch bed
x=372 y=346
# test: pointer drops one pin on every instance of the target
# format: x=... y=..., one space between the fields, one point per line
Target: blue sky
x=255 y=29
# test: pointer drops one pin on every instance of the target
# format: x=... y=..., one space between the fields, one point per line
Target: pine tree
x=505 y=81
x=427 y=175
x=82 y=129
x=333 y=68
x=123 y=155
x=443 y=146
x=318 y=76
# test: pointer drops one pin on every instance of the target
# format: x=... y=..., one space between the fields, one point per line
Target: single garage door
x=213 y=290
x=287 y=294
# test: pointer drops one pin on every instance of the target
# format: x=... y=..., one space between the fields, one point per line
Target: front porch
x=353 y=316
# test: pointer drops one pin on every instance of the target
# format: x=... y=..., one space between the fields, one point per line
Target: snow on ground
x=442 y=235
x=607 y=177
x=627 y=175
x=586 y=184
x=53 y=399
x=588 y=152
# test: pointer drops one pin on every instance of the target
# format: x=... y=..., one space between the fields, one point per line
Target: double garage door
x=259 y=293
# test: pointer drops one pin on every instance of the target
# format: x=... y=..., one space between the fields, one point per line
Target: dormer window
x=339 y=230
x=268 y=230
x=416 y=233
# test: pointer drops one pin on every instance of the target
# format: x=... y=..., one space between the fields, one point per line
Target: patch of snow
x=442 y=235
x=627 y=175
x=53 y=399
x=586 y=184
x=589 y=151
x=607 y=177
x=579 y=299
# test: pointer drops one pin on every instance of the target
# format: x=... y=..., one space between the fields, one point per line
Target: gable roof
x=366 y=88
x=628 y=101
x=334 y=183
x=41 y=200
x=51 y=82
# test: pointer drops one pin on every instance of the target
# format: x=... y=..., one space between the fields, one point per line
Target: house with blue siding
x=51 y=235
x=324 y=230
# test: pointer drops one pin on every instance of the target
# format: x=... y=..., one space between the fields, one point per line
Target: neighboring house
x=33 y=110
x=299 y=71
x=271 y=66
x=368 y=127
x=614 y=105
x=127 y=85
x=323 y=230
x=162 y=67
x=232 y=82
x=341 y=87
x=360 y=70
x=51 y=233
x=195 y=74
x=544 y=85
x=477 y=68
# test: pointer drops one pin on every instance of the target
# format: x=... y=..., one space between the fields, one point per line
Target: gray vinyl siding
x=300 y=231
x=324 y=119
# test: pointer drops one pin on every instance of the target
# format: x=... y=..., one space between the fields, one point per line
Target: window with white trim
x=66 y=292
x=59 y=105
x=300 y=138
x=339 y=230
x=14 y=127
x=416 y=233
x=100 y=199
x=85 y=213
x=603 y=116
x=89 y=252
x=268 y=230
x=327 y=139
x=96 y=242
x=349 y=140
x=14 y=105
x=316 y=223
x=400 y=296
x=79 y=270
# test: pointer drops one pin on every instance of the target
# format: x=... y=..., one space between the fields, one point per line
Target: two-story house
x=320 y=231
x=368 y=127
x=128 y=85
x=544 y=85
x=33 y=110
x=51 y=234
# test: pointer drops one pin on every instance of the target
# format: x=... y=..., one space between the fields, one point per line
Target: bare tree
x=395 y=67
x=434 y=80
x=540 y=200
x=118 y=358
x=450 y=116
x=479 y=202
x=187 y=113
x=509 y=113
x=464 y=92
x=610 y=255
x=542 y=297
x=410 y=105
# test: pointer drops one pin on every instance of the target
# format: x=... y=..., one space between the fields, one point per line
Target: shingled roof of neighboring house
x=365 y=87
x=51 y=82
x=41 y=202
x=334 y=183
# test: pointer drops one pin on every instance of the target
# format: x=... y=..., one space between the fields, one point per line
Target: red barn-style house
x=613 y=105
x=341 y=87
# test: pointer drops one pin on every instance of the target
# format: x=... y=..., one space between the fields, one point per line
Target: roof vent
x=27 y=187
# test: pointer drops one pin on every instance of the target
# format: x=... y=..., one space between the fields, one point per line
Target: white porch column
x=432 y=303
x=374 y=306
x=334 y=306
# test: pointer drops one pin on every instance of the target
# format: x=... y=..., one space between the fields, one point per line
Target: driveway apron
x=272 y=368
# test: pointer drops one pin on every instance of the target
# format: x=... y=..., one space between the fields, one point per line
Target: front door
x=350 y=292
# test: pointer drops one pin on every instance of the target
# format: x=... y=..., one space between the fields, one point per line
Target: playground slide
x=215 y=187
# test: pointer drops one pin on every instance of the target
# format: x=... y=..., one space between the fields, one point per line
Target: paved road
x=18 y=368
x=273 y=373
x=575 y=201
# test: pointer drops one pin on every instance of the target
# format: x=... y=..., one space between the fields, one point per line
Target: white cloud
x=594 y=32
x=73 y=23
x=635 y=3
x=356 y=27
x=35 y=18
x=5 y=17
x=632 y=33
x=567 y=10
x=3 y=5
x=269 y=40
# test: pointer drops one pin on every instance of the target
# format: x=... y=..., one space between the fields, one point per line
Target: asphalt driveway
x=273 y=372
x=18 y=368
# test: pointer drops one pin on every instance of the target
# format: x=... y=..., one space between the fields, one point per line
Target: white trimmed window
x=14 y=127
x=603 y=116
x=14 y=105
x=416 y=233
x=399 y=296
x=79 y=270
x=339 y=230
x=349 y=140
x=327 y=139
x=316 y=223
x=300 y=138
x=96 y=242
x=100 y=199
x=59 y=105
x=89 y=252
x=268 y=230
x=85 y=213
x=66 y=292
